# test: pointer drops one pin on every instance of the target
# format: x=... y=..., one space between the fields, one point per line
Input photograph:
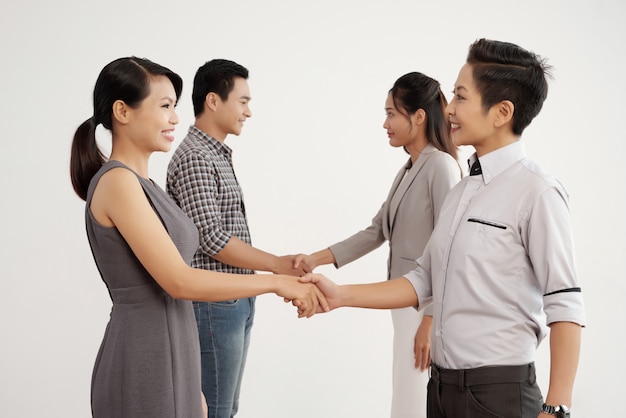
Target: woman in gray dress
x=149 y=362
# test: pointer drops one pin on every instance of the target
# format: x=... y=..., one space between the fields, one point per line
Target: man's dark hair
x=217 y=76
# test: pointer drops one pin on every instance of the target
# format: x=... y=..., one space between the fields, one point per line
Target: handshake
x=314 y=293
x=310 y=293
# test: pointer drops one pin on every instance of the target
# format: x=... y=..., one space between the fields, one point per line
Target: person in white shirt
x=499 y=266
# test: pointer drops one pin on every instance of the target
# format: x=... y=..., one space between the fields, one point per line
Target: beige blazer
x=408 y=216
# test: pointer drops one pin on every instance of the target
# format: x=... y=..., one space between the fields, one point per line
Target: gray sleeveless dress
x=148 y=365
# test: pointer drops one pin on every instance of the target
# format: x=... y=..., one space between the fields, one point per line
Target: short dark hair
x=217 y=76
x=505 y=71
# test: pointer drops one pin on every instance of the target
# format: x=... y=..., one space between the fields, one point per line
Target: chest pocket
x=487 y=222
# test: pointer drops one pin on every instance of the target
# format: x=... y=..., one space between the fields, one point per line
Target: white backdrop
x=314 y=164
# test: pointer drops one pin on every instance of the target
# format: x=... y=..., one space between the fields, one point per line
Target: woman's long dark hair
x=126 y=79
x=414 y=91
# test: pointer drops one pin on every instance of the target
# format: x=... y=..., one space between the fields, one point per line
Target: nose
x=174 y=118
x=449 y=108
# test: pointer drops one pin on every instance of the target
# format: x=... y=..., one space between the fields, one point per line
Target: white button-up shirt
x=499 y=265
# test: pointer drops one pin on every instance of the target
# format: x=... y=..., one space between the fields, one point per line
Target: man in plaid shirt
x=201 y=180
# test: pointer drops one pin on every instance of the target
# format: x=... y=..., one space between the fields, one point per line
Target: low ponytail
x=86 y=158
x=442 y=131
x=126 y=79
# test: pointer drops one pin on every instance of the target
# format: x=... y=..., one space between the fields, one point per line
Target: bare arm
x=390 y=294
x=350 y=249
x=238 y=253
x=311 y=261
x=197 y=193
x=564 y=354
x=119 y=201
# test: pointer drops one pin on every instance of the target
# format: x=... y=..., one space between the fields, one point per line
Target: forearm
x=239 y=254
x=209 y=286
x=323 y=257
x=564 y=354
x=390 y=294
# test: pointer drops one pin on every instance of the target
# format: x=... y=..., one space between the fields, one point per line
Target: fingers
x=321 y=300
x=421 y=351
x=313 y=302
x=303 y=262
x=311 y=278
x=418 y=358
x=425 y=360
x=422 y=359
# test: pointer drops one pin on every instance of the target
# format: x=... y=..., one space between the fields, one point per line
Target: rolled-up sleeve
x=420 y=279
x=551 y=250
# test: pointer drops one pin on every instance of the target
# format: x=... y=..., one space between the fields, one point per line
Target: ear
x=504 y=113
x=419 y=117
x=121 y=112
x=211 y=101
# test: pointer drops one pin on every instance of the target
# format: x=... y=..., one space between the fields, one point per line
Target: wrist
x=559 y=411
x=274 y=264
x=275 y=283
x=322 y=258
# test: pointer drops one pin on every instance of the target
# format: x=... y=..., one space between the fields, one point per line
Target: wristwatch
x=559 y=411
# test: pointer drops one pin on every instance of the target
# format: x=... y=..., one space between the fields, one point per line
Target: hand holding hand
x=289 y=265
x=330 y=290
x=304 y=261
x=305 y=296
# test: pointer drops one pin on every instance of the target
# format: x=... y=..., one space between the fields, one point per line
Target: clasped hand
x=325 y=296
x=316 y=290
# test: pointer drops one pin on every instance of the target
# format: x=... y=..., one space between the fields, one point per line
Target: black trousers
x=485 y=392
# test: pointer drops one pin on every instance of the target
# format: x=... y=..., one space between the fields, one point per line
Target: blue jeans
x=224 y=330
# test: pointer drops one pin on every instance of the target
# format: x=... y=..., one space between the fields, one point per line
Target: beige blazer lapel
x=399 y=189
x=387 y=217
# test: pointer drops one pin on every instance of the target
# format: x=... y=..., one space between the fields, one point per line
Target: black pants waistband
x=483 y=375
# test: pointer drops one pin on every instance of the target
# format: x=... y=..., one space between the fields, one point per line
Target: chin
x=164 y=148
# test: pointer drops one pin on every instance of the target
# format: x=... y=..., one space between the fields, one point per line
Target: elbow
x=177 y=290
x=176 y=284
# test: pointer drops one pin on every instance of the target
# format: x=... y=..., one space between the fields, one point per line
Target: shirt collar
x=495 y=162
x=212 y=142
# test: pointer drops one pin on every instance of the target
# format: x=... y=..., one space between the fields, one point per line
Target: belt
x=483 y=375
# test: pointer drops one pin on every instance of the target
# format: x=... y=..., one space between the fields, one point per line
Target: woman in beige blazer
x=415 y=121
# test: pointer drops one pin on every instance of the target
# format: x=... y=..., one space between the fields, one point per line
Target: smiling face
x=470 y=123
x=151 y=125
x=231 y=114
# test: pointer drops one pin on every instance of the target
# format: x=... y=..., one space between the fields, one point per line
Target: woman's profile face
x=398 y=125
x=151 y=126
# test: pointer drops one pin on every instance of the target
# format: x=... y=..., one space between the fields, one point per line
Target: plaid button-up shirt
x=202 y=181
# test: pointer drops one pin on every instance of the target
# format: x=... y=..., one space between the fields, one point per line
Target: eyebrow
x=248 y=98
